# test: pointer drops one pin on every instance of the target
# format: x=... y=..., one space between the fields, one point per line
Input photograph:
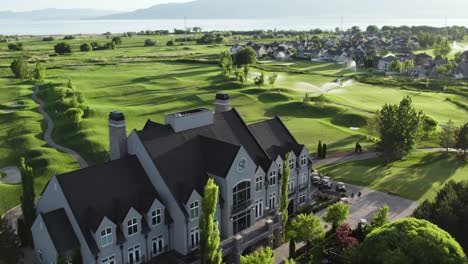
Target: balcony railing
x=241 y=206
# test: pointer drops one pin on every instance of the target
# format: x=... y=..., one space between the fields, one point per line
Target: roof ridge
x=286 y=128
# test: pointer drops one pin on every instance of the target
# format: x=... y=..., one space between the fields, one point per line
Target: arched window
x=241 y=195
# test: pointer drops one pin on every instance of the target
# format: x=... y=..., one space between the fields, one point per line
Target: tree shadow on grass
x=345 y=141
x=301 y=110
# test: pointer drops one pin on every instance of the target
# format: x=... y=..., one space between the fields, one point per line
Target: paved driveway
x=371 y=201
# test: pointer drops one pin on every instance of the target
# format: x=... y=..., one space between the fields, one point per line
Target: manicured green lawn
x=418 y=177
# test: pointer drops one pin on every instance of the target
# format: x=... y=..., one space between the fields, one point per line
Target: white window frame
x=303 y=179
x=272 y=177
x=302 y=197
x=292 y=163
x=107 y=236
x=280 y=167
x=259 y=183
x=194 y=210
x=303 y=159
x=158 y=244
x=194 y=238
x=132 y=250
x=132 y=225
x=271 y=198
x=156 y=217
x=291 y=186
x=258 y=208
x=108 y=260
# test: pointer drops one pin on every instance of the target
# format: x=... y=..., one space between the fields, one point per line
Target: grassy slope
x=418 y=177
x=21 y=136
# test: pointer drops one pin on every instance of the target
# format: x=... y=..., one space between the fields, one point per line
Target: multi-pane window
x=280 y=167
x=134 y=255
x=259 y=208
x=303 y=179
x=302 y=198
x=303 y=159
x=132 y=226
x=158 y=245
x=194 y=210
x=259 y=183
x=272 y=201
x=106 y=237
x=241 y=194
x=272 y=177
x=292 y=163
x=156 y=218
x=194 y=237
x=291 y=186
x=108 y=260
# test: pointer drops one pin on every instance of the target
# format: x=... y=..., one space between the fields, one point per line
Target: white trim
x=117 y=126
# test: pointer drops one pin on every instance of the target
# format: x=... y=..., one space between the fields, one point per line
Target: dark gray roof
x=107 y=190
x=275 y=138
x=60 y=231
x=185 y=158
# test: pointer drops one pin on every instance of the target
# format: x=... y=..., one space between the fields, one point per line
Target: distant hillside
x=302 y=8
x=55 y=14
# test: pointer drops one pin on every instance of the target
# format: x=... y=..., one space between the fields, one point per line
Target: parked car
x=340 y=187
x=326 y=184
x=344 y=200
x=324 y=179
x=316 y=180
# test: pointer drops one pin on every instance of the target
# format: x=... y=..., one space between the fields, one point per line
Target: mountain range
x=56 y=14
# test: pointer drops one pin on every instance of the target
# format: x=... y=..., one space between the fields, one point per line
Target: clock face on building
x=241 y=165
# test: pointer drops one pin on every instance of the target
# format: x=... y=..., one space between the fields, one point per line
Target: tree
x=209 y=231
x=400 y=127
x=410 y=240
x=343 y=235
x=245 y=56
x=307 y=228
x=225 y=63
x=260 y=80
x=75 y=115
x=272 y=79
x=337 y=214
x=111 y=45
x=20 y=68
x=447 y=135
x=372 y=29
x=261 y=256
x=15 y=46
x=39 y=72
x=117 y=40
x=9 y=243
x=170 y=43
x=408 y=64
x=324 y=151
x=85 y=47
x=461 y=138
x=429 y=126
x=319 y=150
x=246 y=69
x=150 y=43
x=442 y=49
x=27 y=198
x=289 y=261
x=395 y=66
x=284 y=202
x=380 y=218
x=448 y=210
x=62 y=48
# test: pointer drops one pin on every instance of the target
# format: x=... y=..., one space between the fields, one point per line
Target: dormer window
x=106 y=237
x=292 y=163
x=194 y=210
x=272 y=177
x=259 y=183
x=156 y=218
x=132 y=226
x=303 y=159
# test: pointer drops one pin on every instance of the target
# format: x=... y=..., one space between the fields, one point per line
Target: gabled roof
x=107 y=190
x=275 y=138
x=60 y=231
x=184 y=158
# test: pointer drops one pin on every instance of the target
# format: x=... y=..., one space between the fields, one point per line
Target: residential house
x=385 y=62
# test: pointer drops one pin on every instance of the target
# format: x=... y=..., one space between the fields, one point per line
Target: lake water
x=52 y=27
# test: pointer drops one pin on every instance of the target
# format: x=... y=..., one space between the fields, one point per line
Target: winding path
x=50 y=128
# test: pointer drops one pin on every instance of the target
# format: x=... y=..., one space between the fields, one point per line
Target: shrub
x=150 y=43
x=15 y=46
x=19 y=67
x=69 y=37
x=111 y=45
x=86 y=47
x=62 y=48
x=48 y=39
x=117 y=40
x=170 y=43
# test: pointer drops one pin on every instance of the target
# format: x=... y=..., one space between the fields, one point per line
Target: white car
x=344 y=200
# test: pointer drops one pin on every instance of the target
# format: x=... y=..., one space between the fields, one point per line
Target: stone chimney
x=222 y=103
x=117 y=135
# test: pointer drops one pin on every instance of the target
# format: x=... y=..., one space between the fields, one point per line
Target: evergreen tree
x=9 y=243
x=28 y=197
x=319 y=149
x=324 y=151
x=285 y=193
x=209 y=231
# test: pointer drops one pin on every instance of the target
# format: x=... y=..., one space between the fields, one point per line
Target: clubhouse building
x=143 y=206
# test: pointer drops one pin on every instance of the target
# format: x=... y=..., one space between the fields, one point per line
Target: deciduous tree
x=225 y=63
x=39 y=72
x=307 y=228
x=447 y=135
x=75 y=115
x=260 y=80
x=261 y=256
x=62 y=48
x=380 y=218
x=337 y=214
x=245 y=56
x=85 y=47
x=442 y=49
x=461 y=137
x=272 y=79
x=20 y=68
x=209 y=231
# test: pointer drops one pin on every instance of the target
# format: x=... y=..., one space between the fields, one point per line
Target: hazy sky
x=124 y=5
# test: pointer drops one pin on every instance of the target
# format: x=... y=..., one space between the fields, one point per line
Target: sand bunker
x=355 y=128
